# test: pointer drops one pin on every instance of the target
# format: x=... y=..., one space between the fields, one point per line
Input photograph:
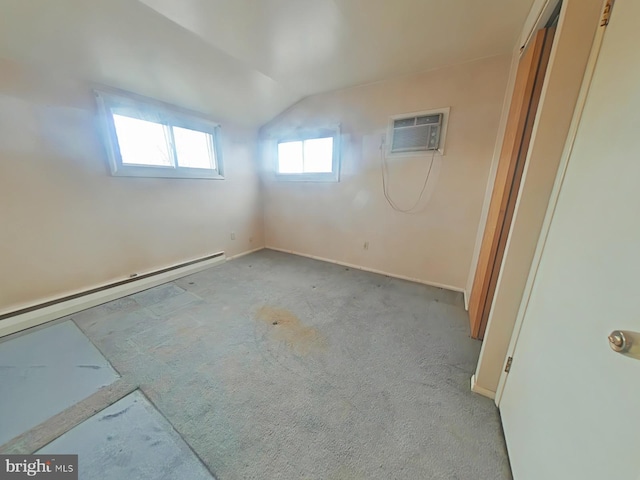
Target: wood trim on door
x=524 y=105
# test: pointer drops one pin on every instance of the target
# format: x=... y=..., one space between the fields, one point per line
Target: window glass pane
x=318 y=155
x=142 y=142
x=290 y=157
x=194 y=149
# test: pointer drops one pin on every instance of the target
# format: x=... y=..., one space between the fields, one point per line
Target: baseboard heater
x=43 y=312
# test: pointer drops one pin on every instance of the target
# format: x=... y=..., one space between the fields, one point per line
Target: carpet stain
x=286 y=327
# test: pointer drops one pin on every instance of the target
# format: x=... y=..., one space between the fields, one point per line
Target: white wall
x=68 y=225
x=334 y=220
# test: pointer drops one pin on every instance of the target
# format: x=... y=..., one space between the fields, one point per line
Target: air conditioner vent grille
x=416 y=134
x=404 y=122
x=429 y=119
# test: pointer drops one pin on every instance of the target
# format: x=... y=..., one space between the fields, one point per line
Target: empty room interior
x=319 y=239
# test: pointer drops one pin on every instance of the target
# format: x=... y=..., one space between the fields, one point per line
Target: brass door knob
x=625 y=342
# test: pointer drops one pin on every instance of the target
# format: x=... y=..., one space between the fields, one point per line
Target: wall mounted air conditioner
x=418 y=132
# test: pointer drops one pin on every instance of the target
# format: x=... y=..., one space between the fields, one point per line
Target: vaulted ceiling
x=247 y=60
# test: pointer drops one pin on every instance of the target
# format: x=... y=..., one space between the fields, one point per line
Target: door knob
x=625 y=342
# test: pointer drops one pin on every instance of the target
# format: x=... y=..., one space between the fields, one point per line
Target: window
x=311 y=157
x=146 y=138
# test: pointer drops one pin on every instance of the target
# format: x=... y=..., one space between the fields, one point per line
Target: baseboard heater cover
x=40 y=313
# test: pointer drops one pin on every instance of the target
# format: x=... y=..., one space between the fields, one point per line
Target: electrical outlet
x=233 y=235
x=366 y=245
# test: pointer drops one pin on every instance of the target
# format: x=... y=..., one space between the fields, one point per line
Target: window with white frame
x=310 y=156
x=147 y=138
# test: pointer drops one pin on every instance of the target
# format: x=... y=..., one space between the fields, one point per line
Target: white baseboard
x=481 y=390
x=57 y=310
x=366 y=269
x=245 y=253
x=466 y=300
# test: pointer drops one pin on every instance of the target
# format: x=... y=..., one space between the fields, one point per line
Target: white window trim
x=108 y=98
x=309 y=134
x=445 y=111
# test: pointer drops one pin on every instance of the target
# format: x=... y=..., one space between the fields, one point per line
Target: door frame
x=577 y=27
x=557 y=187
x=525 y=100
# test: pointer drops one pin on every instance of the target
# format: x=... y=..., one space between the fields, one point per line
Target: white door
x=571 y=405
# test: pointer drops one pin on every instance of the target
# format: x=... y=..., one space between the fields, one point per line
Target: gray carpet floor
x=274 y=366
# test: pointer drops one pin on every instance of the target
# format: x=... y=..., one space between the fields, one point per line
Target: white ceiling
x=247 y=60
